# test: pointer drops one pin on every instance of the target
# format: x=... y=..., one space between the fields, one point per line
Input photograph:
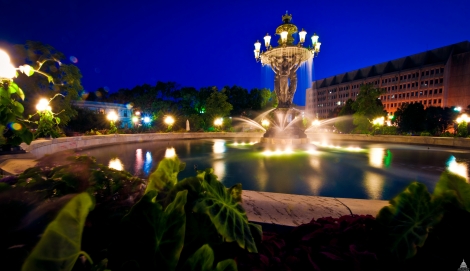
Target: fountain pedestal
x=287 y=130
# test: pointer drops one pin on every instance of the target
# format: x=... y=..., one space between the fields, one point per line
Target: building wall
x=124 y=113
x=440 y=77
x=459 y=80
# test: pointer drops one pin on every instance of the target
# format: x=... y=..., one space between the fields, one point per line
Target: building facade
x=439 y=77
x=124 y=113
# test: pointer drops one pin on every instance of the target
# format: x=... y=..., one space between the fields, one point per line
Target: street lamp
x=378 y=121
x=7 y=70
x=218 y=122
x=112 y=117
x=265 y=123
x=316 y=123
x=43 y=105
x=169 y=120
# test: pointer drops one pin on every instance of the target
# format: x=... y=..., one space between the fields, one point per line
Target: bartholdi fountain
x=285 y=60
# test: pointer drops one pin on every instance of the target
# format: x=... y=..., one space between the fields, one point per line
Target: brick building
x=439 y=77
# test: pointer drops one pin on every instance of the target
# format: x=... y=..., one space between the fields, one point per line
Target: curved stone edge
x=39 y=148
x=453 y=142
x=294 y=210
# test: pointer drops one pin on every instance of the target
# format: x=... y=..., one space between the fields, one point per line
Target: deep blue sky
x=121 y=44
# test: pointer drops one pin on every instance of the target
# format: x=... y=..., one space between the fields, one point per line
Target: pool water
x=346 y=170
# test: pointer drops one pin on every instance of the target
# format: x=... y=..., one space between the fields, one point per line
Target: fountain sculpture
x=285 y=60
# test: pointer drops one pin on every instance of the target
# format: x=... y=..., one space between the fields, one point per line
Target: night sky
x=122 y=44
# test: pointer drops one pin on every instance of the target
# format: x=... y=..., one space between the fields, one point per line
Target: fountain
x=285 y=60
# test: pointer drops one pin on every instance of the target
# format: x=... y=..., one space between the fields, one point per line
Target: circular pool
x=361 y=170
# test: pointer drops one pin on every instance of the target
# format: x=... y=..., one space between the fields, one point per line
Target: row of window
x=424 y=102
x=411 y=94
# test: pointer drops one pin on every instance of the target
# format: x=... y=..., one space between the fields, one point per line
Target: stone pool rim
x=262 y=207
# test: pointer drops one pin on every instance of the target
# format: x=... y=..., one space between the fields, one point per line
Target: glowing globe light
x=463 y=118
x=43 y=105
x=135 y=119
x=265 y=123
x=379 y=121
x=170 y=153
x=116 y=164
x=169 y=120
x=112 y=116
x=218 y=122
x=267 y=40
x=457 y=168
x=146 y=119
x=7 y=71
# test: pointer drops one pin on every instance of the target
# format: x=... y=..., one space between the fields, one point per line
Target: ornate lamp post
x=286 y=58
x=112 y=117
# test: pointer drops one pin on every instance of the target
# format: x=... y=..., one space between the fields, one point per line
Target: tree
x=86 y=120
x=367 y=107
x=239 y=98
x=259 y=98
x=410 y=117
x=59 y=79
x=216 y=107
x=344 y=122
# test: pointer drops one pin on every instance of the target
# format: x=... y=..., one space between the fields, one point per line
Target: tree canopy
x=58 y=78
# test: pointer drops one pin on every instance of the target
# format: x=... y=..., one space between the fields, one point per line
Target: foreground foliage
x=86 y=216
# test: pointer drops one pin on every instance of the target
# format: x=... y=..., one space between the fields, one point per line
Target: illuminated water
x=364 y=170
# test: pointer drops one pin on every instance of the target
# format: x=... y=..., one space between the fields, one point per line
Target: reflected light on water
x=219 y=169
x=457 y=168
x=219 y=147
x=376 y=157
x=169 y=153
x=315 y=181
x=148 y=162
x=139 y=161
x=374 y=184
x=116 y=164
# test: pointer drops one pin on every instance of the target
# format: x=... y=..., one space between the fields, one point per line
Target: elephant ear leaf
x=236 y=192
x=171 y=232
x=226 y=213
x=165 y=176
x=59 y=246
x=453 y=188
x=409 y=218
x=203 y=260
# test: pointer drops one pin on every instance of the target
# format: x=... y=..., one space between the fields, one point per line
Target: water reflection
x=315 y=181
x=374 y=184
x=116 y=164
x=376 y=157
x=139 y=161
x=457 y=168
x=169 y=153
x=219 y=169
x=219 y=147
x=335 y=172
x=148 y=163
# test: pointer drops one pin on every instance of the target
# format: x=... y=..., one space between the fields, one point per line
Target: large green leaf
x=12 y=87
x=20 y=93
x=454 y=188
x=203 y=260
x=225 y=212
x=171 y=232
x=59 y=246
x=135 y=248
x=26 y=69
x=409 y=218
x=19 y=107
x=166 y=174
x=152 y=239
